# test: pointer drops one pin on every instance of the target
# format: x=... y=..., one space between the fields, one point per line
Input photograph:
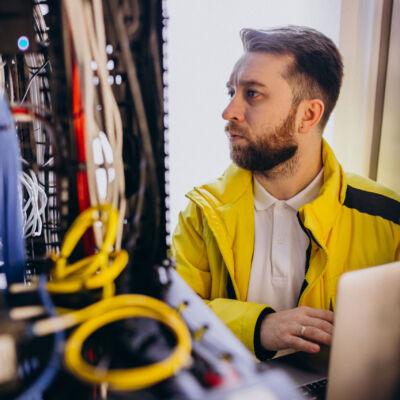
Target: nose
x=233 y=111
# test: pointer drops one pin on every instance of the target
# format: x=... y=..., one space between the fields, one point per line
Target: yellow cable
x=121 y=307
x=106 y=276
x=111 y=272
x=100 y=271
x=104 y=213
x=96 y=271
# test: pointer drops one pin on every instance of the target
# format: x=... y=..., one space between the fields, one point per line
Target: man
x=266 y=243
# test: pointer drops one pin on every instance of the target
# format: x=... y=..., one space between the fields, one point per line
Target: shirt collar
x=309 y=193
x=263 y=200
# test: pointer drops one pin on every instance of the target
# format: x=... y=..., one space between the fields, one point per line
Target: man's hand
x=299 y=328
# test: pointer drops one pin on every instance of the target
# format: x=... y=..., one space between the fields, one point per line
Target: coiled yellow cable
x=118 y=308
x=96 y=271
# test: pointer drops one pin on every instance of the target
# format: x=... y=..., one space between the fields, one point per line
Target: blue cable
x=11 y=229
x=34 y=392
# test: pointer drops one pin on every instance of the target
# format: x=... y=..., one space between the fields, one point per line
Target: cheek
x=261 y=121
x=267 y=115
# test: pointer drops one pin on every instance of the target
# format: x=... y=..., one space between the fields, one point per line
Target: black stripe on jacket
x=373 y=204
x=229 y=288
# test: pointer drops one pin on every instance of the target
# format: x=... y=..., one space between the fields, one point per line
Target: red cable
x=81 y=177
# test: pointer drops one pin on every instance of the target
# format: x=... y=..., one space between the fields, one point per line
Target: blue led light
x=23 y=43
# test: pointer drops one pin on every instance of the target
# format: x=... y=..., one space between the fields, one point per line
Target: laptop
x=364 y=360
x=365 y=355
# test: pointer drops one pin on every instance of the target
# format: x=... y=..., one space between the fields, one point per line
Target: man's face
x=261 y=117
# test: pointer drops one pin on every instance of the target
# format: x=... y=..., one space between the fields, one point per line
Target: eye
x=231 y=93
x=252 y=93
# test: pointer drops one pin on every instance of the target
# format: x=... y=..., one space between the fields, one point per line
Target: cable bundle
x=34 y=207
x=114 y=309
x=102 y=150
x=36 y=390
x=41 y=209
x=96 y=271
x=98 y=139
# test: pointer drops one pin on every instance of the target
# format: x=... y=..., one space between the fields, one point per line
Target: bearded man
x=266 y=243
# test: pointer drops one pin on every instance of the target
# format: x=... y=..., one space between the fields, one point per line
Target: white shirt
x=279 y=257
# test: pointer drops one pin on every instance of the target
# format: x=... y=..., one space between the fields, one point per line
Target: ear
x=311 y=113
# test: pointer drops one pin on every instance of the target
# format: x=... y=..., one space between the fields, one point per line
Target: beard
x=268 y=151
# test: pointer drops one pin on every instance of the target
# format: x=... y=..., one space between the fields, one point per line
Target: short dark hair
x=317 y=69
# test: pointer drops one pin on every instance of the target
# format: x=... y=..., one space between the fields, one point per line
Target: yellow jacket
x=353 y=223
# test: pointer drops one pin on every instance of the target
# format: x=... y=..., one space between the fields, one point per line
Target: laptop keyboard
x=315 y=390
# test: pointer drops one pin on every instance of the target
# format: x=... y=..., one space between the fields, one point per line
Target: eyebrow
x=246 y=83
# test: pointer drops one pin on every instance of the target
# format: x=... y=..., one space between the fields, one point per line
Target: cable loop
x=98 y=270
x=119 y=308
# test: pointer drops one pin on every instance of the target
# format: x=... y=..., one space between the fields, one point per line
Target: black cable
x=31 y=79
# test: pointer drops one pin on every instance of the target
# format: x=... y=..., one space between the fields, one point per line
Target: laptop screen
x=365 y=354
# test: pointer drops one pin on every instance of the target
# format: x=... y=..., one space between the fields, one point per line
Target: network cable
x=88 y=38
x=110 y=310
x=35 y=391
x=95 y=271
x=35 y=204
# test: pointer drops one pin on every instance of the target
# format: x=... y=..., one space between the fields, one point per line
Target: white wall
x=203 y=45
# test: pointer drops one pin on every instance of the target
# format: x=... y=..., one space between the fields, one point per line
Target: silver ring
x=303 y=329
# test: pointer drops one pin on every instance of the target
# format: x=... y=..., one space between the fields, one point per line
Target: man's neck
x=286 y=180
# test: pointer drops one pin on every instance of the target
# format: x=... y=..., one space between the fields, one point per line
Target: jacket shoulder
x=369 y=197
x=226 y=189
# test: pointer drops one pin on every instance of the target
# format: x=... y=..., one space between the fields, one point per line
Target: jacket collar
x=228 y=206
x=319 y=216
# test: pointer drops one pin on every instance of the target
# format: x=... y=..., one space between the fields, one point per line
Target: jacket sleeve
x=189 y=248
x=244 y=320
x=397 y=249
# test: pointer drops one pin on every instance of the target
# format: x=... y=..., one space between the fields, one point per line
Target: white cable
x=11 y=86
x=32 y=114
x=75 y=17
x=24 y=177
x=76 y=21
x=35 y=61
x=41 y=23
x=111 y=110
x=2 y=76
x=87 y=28
x=41 y=147
x=36 y=203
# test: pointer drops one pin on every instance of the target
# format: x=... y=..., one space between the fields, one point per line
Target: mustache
x=234 y=129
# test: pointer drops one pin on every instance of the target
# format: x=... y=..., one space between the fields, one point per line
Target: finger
x=317 y=335
x=320 y=324
x=318 y=313
x=301 y=344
